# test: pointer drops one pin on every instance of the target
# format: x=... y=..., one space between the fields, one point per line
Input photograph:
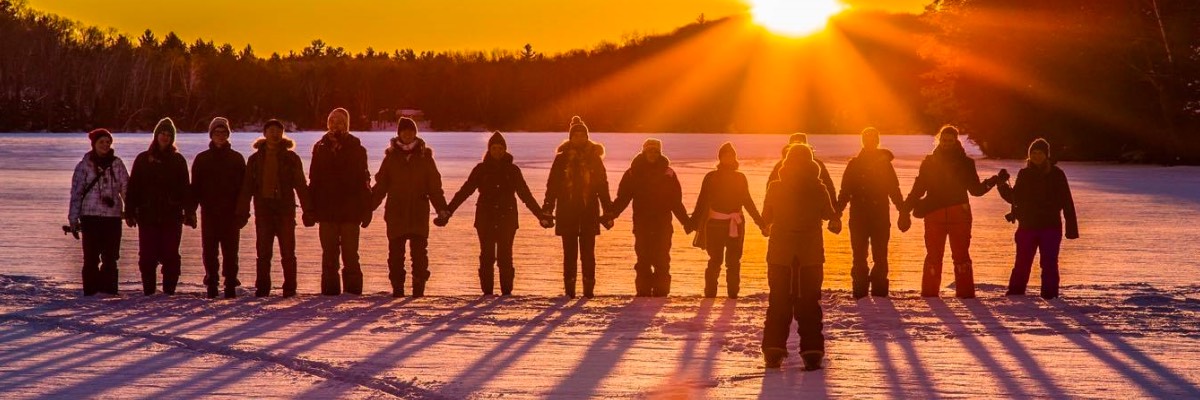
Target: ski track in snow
x=1126 y=339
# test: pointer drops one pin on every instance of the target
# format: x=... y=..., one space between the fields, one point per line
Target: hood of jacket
x=419 y=147
x=591 y=147
x=261 y=143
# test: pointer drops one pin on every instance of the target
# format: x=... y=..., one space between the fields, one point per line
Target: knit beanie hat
x=801 y=138
x=497 y=139
x=577 y=125
x=406 y=124
x=273 y=123
x=165 y=125
x=652 y=143
x=96 y=134
x=727 y=148
x=1040 y=144
x=219 y=122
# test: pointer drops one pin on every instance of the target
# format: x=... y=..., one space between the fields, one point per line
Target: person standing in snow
x=653 y=188
x=719 y=222
x=835 y=225
x=576 y=192
x=868 y=183
x=499 y=183
x=157 y=203
x=796 y=204
x=939 y=195
x=410 y=180
x=1041 y=199
x=97 y=195
x=216 y=182
x=274 y=179
x=340 y=186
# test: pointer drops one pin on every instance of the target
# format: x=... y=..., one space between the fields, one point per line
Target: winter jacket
x=499 y=182
x=794 y=208
x=655 y=192
x=411 y=182
x=944 y=179
x=1041 y=198
x=868 y=183
x=825 y=179
x=578 y=188
x=114 y=180
x=339 y=181
x=290 y=183
x=159 y=191
x=217 y=175
x=725 y=191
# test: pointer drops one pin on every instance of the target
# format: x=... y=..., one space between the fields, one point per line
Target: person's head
x=273 y=132
x=164 y=134
x=101 y=141
x=497 y=146
x=1039 y=152
x=795 y=138
x=948 y=135
x=652 y=150
x=870 y=138
x=799 y=158
x=578 y=132
x=727 y=155
x=406 y=130
x=338 y=121
x=218 y=131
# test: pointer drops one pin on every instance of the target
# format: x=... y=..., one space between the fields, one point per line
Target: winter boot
x=710 y=282
x=418 y=287
x=773 y=357
x=569 y=287
x=213 y=292
x=149 y=282
x=289 y=292
x=812 y=359
x=964 y=280
x=169 y=284
x=230 y=293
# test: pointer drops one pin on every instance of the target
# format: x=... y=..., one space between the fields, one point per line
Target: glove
x=309 y=221
x=75 y=226
x=766 y=230
x=131 y=222
x=243 y=221
x=366 y=220
x=607 y=222
x=440 y=222
x=190 y=220
x=1003 y=175
x=835 y=226
x=689 y=227
x=904 y=223
x=546 y=223
x=1072 y=234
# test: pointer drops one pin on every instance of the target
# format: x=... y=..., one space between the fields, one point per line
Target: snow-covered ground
x=1126 y=327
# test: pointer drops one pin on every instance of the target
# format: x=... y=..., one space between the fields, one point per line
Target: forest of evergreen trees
x=1103 y=79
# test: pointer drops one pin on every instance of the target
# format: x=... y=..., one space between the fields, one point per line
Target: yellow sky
x=282 y=25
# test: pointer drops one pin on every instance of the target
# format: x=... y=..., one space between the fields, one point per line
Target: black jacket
x=868 y=183
x=654 y=190
x=1041 y=198
x=825 y=179
x=291 y=183
x=945 y=179
x=339 y=181
x=499 y=182
x=158 y=191
x=217 y=181
x=577 y=189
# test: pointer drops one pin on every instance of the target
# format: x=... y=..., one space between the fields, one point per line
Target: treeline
x=1103 y=79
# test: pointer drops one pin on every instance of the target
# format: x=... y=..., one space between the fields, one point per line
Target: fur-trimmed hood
x=591 y=147
x=394 y=146
x=261 y=143
x=640 y=162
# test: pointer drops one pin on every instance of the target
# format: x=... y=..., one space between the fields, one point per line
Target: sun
x=794 y=17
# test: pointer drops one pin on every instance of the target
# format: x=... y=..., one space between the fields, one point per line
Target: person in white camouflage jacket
x=97 y=196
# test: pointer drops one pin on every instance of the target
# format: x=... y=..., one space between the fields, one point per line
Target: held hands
x=766 y=230
x=835 y=226
x=131 y=222
x=190 y=220
x=308 y=220
x=904 y=223
x=442 y=219
x=608 y=221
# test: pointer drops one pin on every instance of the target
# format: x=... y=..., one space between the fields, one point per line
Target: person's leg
x=230 y=240
x=807 y=310
x=643 y=249
x=662 y=264
x=171 y=261
x=265 y=230
x=936 y=231
x=331 y=248
x=1026 y=242
x=880 y=235
x=504 y=259
x=1050 y=242
x=715 y=246
x=352 y=277
x=570 y=255
x=148 y=238
x=733 y=263
x=419 y=246
x=587 y=255
x=286 y=232
x=779 y=313
x=91 y=230
x=110 y=252
x=396 y=271
x=960 y=252
x=860 y=237
x=487 y=260
x=210 y=245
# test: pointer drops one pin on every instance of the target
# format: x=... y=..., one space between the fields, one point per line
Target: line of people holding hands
x=159 y=196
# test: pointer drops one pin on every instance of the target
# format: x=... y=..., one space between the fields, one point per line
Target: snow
x=1126 y=327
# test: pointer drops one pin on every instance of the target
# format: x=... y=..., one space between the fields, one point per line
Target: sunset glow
x=794 y=18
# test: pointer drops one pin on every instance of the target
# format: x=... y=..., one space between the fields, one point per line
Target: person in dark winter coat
x=499 y=183
x=340 y=185
x=158 y=204
x=410 y=180
x=274 y=180
x=576 y=191
x=654 y=189
x=795 y=206
x=939 y=195
x=835 y=225
x=719 y=222
x=868 y=183
x=1041 y=199
x=216 y=182
x=97 y=196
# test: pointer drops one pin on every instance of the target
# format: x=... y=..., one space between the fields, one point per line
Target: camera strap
x=91 y=185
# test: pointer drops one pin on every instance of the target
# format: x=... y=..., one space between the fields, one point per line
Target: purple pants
x=1029 y=242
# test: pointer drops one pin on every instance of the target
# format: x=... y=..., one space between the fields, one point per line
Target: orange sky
x=281 y=25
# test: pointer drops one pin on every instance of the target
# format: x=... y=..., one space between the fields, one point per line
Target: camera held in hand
x=67 y=229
